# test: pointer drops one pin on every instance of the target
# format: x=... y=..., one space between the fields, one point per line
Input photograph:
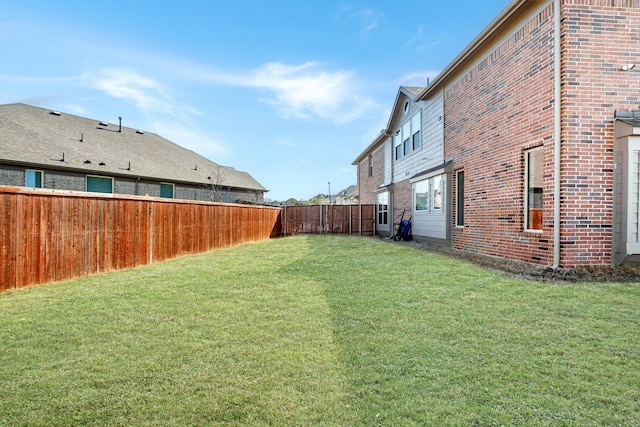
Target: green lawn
x=319 y=330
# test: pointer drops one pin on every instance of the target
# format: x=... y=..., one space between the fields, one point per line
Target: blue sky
x=290 y=91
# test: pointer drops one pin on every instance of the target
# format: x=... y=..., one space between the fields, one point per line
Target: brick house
x=50 y=149
x=539 y=136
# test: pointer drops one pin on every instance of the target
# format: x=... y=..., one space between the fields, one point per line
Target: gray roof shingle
x=39 y=137
x=414 y=90
x=630 y=117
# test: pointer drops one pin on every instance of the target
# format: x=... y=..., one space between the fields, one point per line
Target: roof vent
x=103 y=124
x=55 y=113
x=140 y=132
x=101 y=163
x=87 y=161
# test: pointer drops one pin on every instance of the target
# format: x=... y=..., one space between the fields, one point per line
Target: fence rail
x=51 y=235
x=345 y=219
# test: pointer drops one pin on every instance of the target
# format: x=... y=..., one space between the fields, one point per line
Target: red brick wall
x=492 y=114
x=402 y=199
x=598 y=40
x=368 y=185
x=504 y=105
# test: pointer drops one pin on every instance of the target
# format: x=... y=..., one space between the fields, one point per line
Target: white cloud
x=149 y=95
x=366 y=19
x=370 y=21
x=417 y=36
x=303 y=91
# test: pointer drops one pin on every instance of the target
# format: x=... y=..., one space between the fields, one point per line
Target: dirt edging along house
x=527 y=145
x=41 y=148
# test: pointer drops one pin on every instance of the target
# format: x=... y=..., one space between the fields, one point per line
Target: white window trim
x=401 y=137
x=457 y=223
x=431 y=205
x=526 y=190
x=378 y=204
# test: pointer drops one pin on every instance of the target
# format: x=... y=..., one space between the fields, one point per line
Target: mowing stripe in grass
x=319 y=330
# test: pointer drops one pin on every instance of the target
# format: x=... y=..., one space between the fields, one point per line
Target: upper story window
x=415 y=131
x=397 y=143
x=33 y=178
x=407 y=139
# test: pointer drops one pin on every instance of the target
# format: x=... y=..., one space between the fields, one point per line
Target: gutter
x=557 y=152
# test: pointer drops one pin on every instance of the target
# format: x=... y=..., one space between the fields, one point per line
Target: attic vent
x=55 y=113
x=101 y=163
x=140 y=132
x=87 y=162
x=103 y=124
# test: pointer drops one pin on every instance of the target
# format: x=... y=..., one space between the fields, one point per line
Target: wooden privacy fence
x=345 y=219
x=50 y=235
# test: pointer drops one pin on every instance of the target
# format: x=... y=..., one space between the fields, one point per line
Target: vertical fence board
x=49 y=235
x=340 y=219
x=4 y=236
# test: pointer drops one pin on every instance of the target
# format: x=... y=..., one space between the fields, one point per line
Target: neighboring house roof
x=350 y=192
x=629 y=117
x=43 y=138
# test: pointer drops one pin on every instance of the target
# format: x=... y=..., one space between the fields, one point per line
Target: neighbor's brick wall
x=368 y=186
x=598 y=40
x=60 y=180
x=498 y=109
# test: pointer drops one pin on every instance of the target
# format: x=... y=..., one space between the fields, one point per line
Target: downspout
x=557 y=60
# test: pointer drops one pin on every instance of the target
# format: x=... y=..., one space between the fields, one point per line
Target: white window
x=383 y=208
x=33 y=178
x=437 y=189
x=428 y=195
x=407 y=139
x=460 y=198
x=415 y=132
x=397 y=143
x=421 y=199
x=533 y=187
